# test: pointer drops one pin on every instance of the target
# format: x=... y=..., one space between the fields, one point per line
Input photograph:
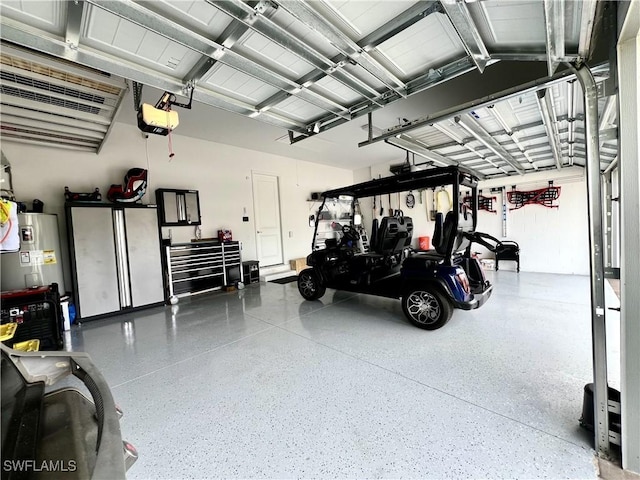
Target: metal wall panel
x=143 y=248
x=95 y=261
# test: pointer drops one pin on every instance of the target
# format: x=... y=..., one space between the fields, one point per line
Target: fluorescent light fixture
x=571 y=101
x=448 y=132
x=418 y=148
x=524 y=151
x=545 y=107
x=475 y=129
x=498 y=116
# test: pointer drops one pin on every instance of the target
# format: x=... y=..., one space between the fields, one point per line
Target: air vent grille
x=45 y=105
x=45 y=70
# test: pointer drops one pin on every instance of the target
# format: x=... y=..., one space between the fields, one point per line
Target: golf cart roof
x=431 y=178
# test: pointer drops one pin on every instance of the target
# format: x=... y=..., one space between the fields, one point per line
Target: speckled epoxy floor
x=260 y=383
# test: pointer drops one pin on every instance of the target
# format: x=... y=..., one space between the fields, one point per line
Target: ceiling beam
x=183 y=35
x=316 y=22
x=460 y=16
x=230 y=35
x=587 y=21
x=424 y=82
x=410 y=16
x=493 y=110
x=242 y=12
x=545 y=105
x=75 y=9
x=530 y=56
x=554 y=26
x=476 y=130
x=532 y=86
x=423 y=151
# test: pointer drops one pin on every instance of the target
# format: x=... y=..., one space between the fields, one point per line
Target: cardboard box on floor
x=298 y=264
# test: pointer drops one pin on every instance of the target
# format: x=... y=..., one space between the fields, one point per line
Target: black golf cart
x=431 y=283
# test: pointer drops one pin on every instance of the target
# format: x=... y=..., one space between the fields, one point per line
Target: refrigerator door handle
x=121 y=258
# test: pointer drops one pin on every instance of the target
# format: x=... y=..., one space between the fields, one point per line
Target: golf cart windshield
x=333 y=214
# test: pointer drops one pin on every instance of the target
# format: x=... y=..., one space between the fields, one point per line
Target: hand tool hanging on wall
x=410 y=200
x=390 y=207
x=432 y=213
x=381 y=208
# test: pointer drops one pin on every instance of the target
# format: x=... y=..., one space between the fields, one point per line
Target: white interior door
x=266 y=197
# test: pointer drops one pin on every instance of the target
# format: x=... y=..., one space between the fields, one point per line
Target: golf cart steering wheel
x=350 y=233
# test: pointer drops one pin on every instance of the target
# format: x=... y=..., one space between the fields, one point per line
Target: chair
x=508 y=250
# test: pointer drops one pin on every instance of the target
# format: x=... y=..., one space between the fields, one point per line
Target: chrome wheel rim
x=307 y=285
x=423 y=307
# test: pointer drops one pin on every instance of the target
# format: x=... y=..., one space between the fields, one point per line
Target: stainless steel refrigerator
x=116 y=262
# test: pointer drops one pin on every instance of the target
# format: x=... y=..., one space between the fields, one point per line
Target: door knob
x=258 y=231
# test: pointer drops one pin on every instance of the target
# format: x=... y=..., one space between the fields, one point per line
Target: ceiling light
x=316 y=127
x=571 y=104
x=498 y=116
x=448 y=132
x=544 y=104
x=475 y=129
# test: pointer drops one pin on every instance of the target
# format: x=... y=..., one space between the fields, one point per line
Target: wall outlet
x=245 y=219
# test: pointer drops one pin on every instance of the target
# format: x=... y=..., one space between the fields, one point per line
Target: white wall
x=221 y=173
x=553 y=240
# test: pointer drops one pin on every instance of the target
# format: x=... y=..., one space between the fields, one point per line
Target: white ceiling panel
x=426 y=44
x=509 y=22
x=299 y=109
x=359 y=18
x=235 y=84
x=525 y=108
x=50 y=16
x=335 y=90
x=303 y=33
x=200 y=14
x=117 y=36
x=268 y=53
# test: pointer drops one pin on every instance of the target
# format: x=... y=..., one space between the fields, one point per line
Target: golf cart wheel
x=426 y=308
x=309 y=285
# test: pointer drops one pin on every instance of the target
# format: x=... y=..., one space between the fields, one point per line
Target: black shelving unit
x=250 y=272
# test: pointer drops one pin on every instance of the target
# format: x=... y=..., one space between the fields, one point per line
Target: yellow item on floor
x=7 y=331
x=27 y=346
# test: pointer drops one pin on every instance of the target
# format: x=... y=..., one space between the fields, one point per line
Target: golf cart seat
x=393 y=235
x=442 y=234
